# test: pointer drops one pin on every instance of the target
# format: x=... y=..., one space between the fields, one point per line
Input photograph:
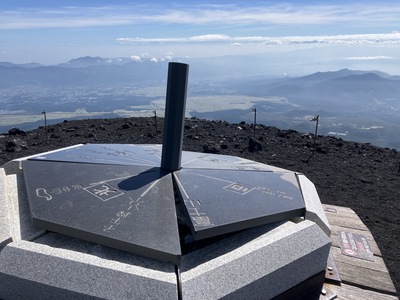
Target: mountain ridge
x=361 y=104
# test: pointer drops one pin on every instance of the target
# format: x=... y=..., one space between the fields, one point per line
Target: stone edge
x=314 y=210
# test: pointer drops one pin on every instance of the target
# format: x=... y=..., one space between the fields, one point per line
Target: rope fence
x=255 y=116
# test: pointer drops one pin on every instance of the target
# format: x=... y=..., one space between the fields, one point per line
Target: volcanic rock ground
x=360 y=176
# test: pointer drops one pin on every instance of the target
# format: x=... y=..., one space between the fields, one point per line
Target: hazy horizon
x=298 y=37
x=233 y=49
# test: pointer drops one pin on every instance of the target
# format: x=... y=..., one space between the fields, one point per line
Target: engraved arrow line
x=138 y=202
x=214 y=178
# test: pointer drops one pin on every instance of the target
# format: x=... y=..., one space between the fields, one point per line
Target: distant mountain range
x=362 y=105
x=97 y=70
x=83 y=72
x=336 y=91
x=89 y=70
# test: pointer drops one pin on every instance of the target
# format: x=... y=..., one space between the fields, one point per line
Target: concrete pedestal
x=258 y=263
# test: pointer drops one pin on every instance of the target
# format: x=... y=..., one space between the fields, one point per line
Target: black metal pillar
x=174 y=116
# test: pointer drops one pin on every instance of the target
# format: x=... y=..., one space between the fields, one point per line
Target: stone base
x=58 y=267
x=258 y=263
x=261 y=262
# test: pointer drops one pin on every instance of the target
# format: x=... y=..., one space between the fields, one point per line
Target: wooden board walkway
x=363 y=273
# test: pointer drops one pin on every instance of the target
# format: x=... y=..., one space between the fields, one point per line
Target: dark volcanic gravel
x=360 y=176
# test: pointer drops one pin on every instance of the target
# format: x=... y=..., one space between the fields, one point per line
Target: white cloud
x=209 y=37
x=378 y=57
x=169 y=56
x=154 y=60
x=136 y=58
x=391 y=38
x=201 y=14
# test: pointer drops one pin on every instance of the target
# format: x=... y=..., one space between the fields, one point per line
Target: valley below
x=362 y=106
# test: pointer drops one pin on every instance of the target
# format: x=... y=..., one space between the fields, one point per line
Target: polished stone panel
x=118 y=154
x=221 y=194
x=224 y=201
x=125 y=207
x=200 y=160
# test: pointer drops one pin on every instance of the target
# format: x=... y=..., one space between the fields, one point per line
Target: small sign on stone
x=355 y=245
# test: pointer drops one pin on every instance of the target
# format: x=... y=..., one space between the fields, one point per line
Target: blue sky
x=328 y=35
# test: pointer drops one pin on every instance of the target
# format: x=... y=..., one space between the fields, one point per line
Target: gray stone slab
x=21 y=226
x=5 y=234
x=126 y=207
x=119 y=154
x=12 y=167
x=45 y=272
x=314 y=209
x=15 y=166
x=277 y=259
x=224 y=201
x=261 y=262
x=148 y=155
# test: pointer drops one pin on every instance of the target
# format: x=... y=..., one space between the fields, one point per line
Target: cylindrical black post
x=255 y=122
x=155 y=122
x=45 y=124
x=316 y=130
x=175 y=108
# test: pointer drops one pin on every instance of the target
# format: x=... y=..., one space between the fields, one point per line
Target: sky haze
x=305 y=36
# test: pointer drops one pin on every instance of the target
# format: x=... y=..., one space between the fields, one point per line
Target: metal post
x=155 y=121
x=175 y=108
x=316 y=129
x=45 y=124
x=255 y=121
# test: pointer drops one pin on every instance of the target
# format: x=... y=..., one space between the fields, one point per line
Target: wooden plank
x=366 y=278
x=377 y=265
x=371 y=241
x=348 y=292
x=363 y=273
x=344 y=217
x=361 y=279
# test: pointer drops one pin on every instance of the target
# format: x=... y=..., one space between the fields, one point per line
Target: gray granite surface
x=314 y=209
x=69 y=272
x=277 y=259
x=5 y=234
